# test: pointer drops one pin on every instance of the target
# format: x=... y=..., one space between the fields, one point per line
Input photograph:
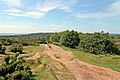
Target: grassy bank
x=108 y=61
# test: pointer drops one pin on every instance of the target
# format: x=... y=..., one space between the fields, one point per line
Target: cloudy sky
x=24 y=16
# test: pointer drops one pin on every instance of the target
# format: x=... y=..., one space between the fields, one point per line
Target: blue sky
x=25 y=16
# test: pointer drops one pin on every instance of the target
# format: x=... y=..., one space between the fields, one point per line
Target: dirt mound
x=81 y=70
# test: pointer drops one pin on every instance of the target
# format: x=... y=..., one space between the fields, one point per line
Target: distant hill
x=24 y=35
x=8 y=34
x=115 y=34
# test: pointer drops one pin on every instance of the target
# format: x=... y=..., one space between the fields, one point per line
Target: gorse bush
x=55 y=37
x=97 y=43
x=2 y=49
x=70 y=39
x=14 y=68
x=6 y=41
x=16 y=48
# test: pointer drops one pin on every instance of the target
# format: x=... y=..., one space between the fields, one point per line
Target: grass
x=108 y=61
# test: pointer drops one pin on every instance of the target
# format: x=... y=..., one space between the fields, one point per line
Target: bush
x=16 y=48
x=54 y=38
x=70 y=39
x=98 y=43
x=56 y=43
x=2 y=49
x=42 y=41
x=14 y=69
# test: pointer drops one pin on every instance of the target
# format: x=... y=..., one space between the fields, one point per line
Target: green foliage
x=97 y=43
x=55 y=37
x=56 y=43
x=6 y=41
x=14 y=68
x=42 y=41
x=25 y=41
x=47 y=38
x=70 y=39
x=16 y=48
x=2 y=49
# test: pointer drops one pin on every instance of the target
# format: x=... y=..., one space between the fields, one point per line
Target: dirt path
x=81 y=70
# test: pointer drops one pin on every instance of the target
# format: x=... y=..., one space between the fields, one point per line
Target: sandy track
x=81 y=70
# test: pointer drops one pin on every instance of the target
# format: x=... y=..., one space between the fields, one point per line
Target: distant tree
x=70 y=39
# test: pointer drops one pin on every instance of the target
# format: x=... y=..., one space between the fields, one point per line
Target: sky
x=28 y=16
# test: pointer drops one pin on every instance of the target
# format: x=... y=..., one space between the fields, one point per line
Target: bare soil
x=33 y=57
x=81 y=70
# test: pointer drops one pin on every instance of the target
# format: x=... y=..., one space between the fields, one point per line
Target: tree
x=70 y=39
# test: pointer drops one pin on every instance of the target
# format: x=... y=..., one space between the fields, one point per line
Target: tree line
x=95 y=43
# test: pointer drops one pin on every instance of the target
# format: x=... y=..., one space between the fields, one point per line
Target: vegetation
x=14 y=68
x=16 y=48
x=55 y=37
x=70 y=39
x=104 y=46
x=6 y=41
x=2 y=49
x=98 y=43
x=95 y=43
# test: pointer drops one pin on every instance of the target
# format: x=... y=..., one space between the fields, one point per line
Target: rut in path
x=81 y=70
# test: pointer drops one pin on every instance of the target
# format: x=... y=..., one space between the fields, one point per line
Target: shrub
x=56 y=43
x=70 y=39
x=16 y=48
x=14 y=70
x=2 y=49
x=54 y=38
x=42 y=41
x=98 y=43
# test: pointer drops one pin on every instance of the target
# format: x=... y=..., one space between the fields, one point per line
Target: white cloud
x=12 y=3
x=39 y=10
x=115 y=6
x=17 y=29
x=30 y=28
x=112 y=11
